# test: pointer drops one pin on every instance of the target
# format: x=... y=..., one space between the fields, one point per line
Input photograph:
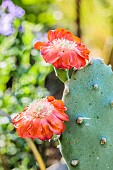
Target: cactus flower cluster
x=87 y=142
x=63 y=50
x=41 y=119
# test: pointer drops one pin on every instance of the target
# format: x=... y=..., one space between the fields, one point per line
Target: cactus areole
x=87 y=143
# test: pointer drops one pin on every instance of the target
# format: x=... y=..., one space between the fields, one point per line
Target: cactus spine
x=87 y=143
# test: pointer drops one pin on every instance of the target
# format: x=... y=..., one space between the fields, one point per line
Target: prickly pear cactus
x=87 y=143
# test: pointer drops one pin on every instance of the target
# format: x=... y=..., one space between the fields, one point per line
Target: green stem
x=36 y=154
x=63 y=75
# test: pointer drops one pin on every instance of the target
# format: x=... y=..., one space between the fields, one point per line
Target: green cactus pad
x=88 y=144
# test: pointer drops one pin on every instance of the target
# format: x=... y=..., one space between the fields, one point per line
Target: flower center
x=40 y=109
x=64 y=43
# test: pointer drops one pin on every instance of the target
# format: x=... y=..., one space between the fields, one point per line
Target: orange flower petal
x=46 y=132
x=38 y=45
x=34 y=126
x=42 y=123
x=77 y=39
x=50 y=55
x=17 y=120
x=51 y=35
x=62 y=49
x=39 y=129
x=60 y=33
x=58 y=64
x=23 y=131
x=50 y=98
x=66 y=60
x=25 y=108
x=83 y=51
x=55 y=124
x=61 y=115
x=63 y=33
x=79 y=62
x=59 y=104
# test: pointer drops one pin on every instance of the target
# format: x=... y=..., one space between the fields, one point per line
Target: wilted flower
x=41 y=119
x=63 y=50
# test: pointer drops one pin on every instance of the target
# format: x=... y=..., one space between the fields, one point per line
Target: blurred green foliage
x=22 y=77
x=22 y=70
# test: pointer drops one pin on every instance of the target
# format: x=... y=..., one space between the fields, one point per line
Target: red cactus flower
x=63 y=50
x=41 y=119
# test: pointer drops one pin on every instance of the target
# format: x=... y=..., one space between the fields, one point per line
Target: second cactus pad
x=87 y=143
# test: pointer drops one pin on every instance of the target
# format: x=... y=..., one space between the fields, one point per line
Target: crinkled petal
x=60 y=33
x=58 y=64
x=61 y=115
x=50 y=98
x=63 y=50
x=41 y=119
x=55 y=124
x=46 y=132
x=72 y=56
x=23 y=131
x=75 y=60
x=79 y=62
x=51 y=35
x=18 y=120
x=83 y=51
x=77 y=40
x=34 y=126
x=39 y=45
x=36 y=130
x=50 y=55
x=66 y=60
x=18 y=117
x=63 y=33
x=59 y=104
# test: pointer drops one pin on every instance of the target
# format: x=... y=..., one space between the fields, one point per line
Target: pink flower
x=63 y=50
x=41 y=119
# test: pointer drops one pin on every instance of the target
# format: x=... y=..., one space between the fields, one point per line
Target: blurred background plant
x=24 y=76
